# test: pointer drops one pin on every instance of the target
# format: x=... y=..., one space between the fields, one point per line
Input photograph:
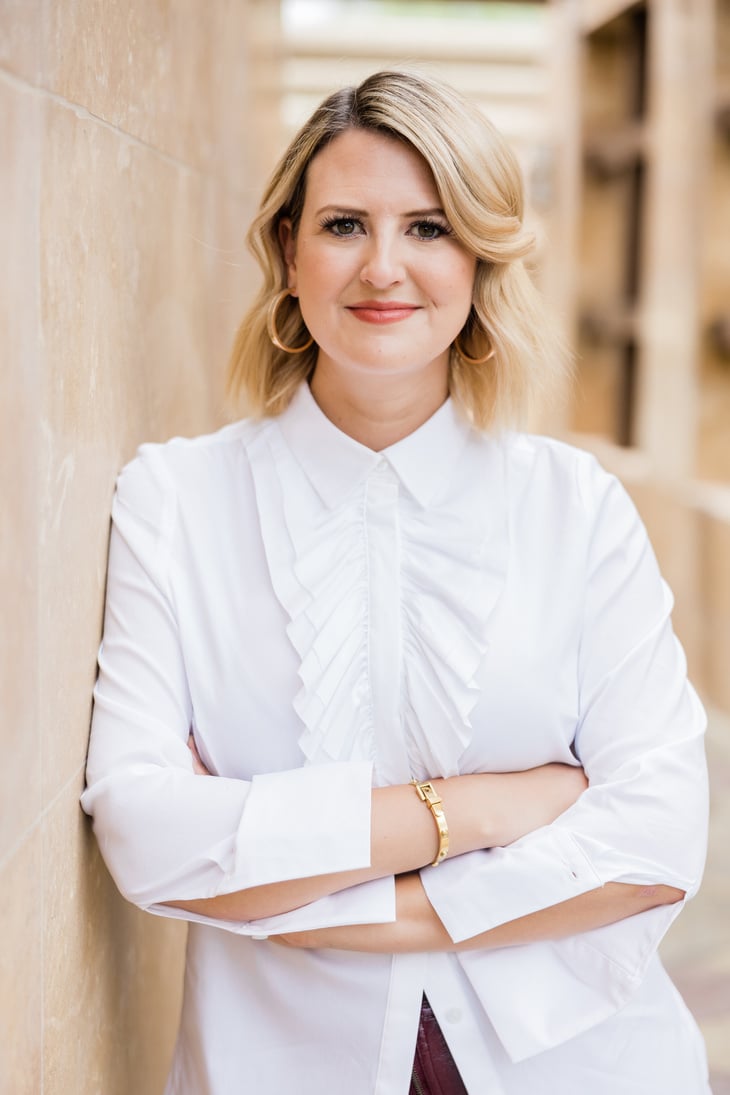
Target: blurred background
x=136 y=138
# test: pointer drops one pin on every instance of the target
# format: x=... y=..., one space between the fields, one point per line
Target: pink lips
x=382 y=311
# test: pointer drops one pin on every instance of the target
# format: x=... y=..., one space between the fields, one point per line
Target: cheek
x=458 y=280
x=461 y=292
x=322 y=273
x=466 y=272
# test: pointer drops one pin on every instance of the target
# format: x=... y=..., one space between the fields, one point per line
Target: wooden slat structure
x=646 y=162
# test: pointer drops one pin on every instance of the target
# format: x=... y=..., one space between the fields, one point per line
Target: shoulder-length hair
x=480 y=186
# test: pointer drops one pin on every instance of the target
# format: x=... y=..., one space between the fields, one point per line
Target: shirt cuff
x=475 y=892
x=367 y=903
x=558 y=989
x=301 y=823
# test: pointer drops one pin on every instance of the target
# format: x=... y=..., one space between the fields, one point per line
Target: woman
x=367 y=583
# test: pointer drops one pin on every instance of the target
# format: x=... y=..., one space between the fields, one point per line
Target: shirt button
x=382 y=472
x=453 y=1015
x=360 y=694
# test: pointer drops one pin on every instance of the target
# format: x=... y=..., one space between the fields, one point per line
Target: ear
x=288 y=244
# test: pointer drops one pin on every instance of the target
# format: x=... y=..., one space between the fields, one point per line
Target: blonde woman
x=389 y=706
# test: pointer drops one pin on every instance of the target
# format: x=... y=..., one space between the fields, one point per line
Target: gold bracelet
x=427 y=794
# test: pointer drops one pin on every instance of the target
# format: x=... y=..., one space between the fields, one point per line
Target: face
x=383 y=284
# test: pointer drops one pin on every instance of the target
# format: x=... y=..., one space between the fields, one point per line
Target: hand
x=198 y=766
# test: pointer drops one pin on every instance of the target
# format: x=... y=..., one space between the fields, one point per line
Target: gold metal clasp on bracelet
x=427 y=793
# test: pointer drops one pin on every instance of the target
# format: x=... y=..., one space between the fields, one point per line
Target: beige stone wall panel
x=21 y=45
x=112 y=975
x=21 y=958
x=19 y=392
x=132 y=353
x=173 y=75
x=124 y=279
x=96 y=403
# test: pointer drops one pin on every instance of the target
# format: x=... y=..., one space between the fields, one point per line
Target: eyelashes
x=434 y=229
x=425 y=229
x=343 y=227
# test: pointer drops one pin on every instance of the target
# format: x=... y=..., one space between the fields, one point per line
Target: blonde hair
x=480 y=186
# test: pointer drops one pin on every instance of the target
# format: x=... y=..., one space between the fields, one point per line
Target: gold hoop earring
x=271 y=326
x=472 y=360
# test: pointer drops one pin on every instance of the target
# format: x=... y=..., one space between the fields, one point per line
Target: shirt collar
x=336 y=464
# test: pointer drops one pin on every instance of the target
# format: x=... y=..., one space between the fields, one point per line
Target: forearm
x=417 y=928
x=393 y=808
x=610 y=903
x=483 y=810
x=403 y=839
x=606 y=905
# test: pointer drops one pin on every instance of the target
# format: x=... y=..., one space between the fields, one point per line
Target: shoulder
x=185 y=455
x=566 y=506
x=541 y=465
x=184 y=465
x=552 y=484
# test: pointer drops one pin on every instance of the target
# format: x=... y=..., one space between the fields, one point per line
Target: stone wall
x=128 y=175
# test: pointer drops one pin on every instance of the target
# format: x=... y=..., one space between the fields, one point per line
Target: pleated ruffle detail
x=453 y=563
x=455 y=557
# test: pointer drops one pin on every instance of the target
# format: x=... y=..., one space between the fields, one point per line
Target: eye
x=429 y=230
x=342 y=226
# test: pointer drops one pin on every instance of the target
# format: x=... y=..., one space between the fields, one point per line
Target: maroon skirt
x=434 y=1070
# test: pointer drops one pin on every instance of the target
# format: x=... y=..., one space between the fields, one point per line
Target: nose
x=383 y=261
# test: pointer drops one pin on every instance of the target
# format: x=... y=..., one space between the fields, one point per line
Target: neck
x=378 y=411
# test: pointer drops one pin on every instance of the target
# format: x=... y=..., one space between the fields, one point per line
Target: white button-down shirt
x=327 y=618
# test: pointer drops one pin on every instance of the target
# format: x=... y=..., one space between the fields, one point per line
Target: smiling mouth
x=382 y=312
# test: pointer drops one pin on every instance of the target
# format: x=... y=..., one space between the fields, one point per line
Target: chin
x=394 y=364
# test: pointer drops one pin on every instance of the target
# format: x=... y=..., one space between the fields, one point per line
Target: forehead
x=373 y=166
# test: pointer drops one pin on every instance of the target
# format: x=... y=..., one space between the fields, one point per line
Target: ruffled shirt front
x=353 y=556
x=326 y=618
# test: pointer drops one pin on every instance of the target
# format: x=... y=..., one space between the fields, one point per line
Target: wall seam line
x=36 y=823
x=84 y=114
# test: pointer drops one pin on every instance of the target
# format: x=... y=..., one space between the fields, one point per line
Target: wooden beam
x=597 y=13
x=681 y=99
x=608 y=326
x=610 y=154
x=722 y=112
x=719 y=333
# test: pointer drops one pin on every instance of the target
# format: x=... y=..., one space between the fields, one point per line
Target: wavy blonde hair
x=480 y=187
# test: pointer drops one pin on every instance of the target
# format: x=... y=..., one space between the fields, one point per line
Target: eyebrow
x=349 y=211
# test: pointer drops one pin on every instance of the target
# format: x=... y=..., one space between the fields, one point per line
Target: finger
x=198 y=766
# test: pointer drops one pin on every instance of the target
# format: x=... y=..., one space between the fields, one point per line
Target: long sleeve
x=164 y=832
x=643 y=819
